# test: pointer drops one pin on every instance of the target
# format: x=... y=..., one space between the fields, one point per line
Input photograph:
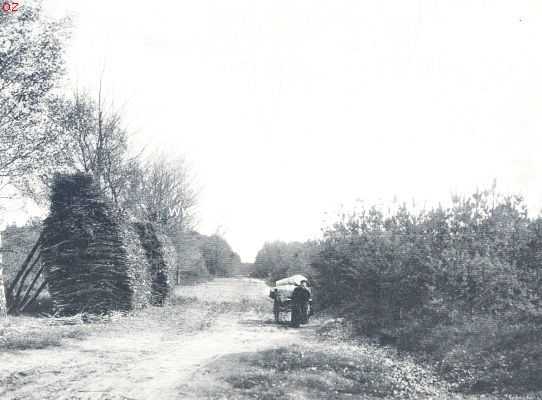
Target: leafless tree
x=98 y=141
x=162 y=191
x=92 y=140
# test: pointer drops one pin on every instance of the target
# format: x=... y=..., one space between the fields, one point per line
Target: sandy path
x=158 y=372
x=142 y=364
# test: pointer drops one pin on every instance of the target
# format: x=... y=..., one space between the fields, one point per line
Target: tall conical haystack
x=85 y=260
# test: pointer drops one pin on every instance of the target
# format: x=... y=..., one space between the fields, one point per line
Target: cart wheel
x=307 y=315
x=276 y=312
x=277 y=316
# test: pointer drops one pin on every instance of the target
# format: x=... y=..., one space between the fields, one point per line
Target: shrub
x=449 y=282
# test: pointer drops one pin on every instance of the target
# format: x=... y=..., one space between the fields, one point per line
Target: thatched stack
x=85 y=259
x=3 y=302
x=155 y=253
x=171 y=258
x=96 y=262
x=139 y=267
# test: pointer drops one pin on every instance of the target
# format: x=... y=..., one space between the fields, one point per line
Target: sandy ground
x=145 y=363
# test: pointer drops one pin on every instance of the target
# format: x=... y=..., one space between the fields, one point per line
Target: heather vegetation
x=460 y=285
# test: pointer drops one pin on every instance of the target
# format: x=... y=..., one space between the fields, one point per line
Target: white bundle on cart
x=285 y=287
x=292 y=280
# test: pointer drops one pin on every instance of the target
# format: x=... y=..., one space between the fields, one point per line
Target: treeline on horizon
x=459 y=284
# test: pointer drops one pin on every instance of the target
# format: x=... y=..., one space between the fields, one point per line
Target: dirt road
x=146 y=362
x=217 y=341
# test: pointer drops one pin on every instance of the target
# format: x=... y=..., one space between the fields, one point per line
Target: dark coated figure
x=300 y=304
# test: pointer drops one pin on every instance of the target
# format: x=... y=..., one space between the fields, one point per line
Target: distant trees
x=219 y=257
x=277 y=260
x=16 y=244
x=202 y=257
x=31 y=62
x=191 y=265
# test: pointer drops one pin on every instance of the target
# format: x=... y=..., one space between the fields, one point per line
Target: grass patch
x=325 y=369
x=479 y=355
x=184 y=315
x=321 y=371
x=242 y=305
x=27 y=333
x=492 y=358
x=189 y=312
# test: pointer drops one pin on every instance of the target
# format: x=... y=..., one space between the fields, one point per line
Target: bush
x=451 y=283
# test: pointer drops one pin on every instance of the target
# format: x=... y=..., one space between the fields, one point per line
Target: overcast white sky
x=288 y=109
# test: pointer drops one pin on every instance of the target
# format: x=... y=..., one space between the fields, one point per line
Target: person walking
x=300 y=302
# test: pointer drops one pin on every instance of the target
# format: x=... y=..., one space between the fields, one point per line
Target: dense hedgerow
x=480 y=256
x=449 y=281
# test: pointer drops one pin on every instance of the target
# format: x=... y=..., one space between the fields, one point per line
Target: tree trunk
x=3 y=302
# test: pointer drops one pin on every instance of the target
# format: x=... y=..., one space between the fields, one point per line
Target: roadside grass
x=478 y=355
x=327 y=364
x=487 y=356
x=317 y=370
x=26 y=333
x=335 y=372
x=184 y=314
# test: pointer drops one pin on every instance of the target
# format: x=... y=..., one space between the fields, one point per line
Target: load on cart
x=292 y=295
